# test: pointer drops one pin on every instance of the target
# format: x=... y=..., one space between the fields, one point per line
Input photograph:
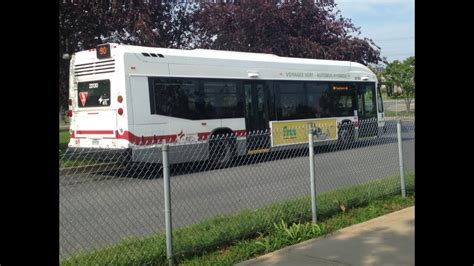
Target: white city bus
x=123 y=96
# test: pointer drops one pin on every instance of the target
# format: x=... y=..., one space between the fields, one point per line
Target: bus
x=123 y=97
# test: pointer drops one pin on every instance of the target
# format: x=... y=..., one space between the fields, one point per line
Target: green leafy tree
x=286 y=28
x=295 y=28
x=85 y=24
x=402 y=74
x=378 y=71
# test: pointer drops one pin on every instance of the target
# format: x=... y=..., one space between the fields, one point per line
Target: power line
x=370 y=2
x=398 y=54
x=394 y=39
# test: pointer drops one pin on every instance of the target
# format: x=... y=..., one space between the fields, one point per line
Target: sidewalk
x=385 y=240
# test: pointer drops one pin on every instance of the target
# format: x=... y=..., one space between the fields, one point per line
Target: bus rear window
x=93 y=93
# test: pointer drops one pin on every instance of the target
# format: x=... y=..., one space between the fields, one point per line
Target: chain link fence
x=229 y=187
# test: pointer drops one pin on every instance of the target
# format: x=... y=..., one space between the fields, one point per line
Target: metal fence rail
x=107 y=197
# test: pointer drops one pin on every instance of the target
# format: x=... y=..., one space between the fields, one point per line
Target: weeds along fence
x=124 y=208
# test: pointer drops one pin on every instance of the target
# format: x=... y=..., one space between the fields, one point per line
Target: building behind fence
x=111 y=207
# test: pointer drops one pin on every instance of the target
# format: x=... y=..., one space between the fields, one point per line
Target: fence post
x=166 y=184
x=400 y=157
x=311 y=171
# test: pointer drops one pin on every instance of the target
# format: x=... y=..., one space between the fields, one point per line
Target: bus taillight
x=70 y=101
x=120 y=98
x=69 y=113
x=120 y=111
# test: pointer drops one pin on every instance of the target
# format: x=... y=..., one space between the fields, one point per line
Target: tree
x=296 y=28
x=292 y=28
x=85 y=24
x=378 y=71
x=402 y=74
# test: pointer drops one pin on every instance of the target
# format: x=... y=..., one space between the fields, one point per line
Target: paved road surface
x=398 y=105
x=102 y=208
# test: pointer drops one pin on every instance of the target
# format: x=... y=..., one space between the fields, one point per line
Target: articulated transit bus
x=122 y=97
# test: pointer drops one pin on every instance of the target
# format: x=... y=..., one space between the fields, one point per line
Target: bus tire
x=222 y=150
x=346 y=134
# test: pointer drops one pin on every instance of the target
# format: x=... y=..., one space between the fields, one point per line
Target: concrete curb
x=87 y=168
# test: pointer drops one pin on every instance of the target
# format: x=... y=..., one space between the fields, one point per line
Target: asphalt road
x=103 y=208
x=398 y=105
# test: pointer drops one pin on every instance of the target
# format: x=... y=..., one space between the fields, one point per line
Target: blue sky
x=389 y=23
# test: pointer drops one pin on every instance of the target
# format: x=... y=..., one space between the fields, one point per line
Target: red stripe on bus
x=240 y=133
x=142 y=140
x=94 y=132
x=145 y=140
x=203 y=135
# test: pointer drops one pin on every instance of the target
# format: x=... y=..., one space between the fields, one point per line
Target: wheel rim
x=344 y=133
x=225 y=153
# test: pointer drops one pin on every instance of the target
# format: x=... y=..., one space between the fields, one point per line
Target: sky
x=389 y=23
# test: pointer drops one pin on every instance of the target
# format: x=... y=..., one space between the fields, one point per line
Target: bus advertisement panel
x=296 y=132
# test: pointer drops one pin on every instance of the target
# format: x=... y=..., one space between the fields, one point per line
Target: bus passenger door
x=367 y=110
x=256 y=116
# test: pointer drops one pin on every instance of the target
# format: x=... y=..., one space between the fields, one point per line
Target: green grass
x=63 y=139
x=284 y=235
x=211 y=235
x=67 y=162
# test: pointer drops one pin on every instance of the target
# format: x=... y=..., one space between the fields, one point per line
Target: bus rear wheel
x=222 y=150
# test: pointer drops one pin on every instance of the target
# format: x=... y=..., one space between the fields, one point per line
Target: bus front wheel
x=346 y=134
